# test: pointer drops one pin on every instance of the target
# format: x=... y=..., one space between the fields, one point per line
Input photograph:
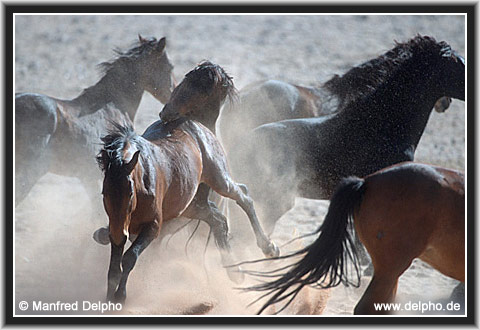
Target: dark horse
x=199 y=96
x=400 y=213
x=269 y=101
x=152 y=179
x=48 y=129
x=308 y=157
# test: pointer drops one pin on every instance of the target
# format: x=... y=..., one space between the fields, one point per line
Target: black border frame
x=10 y=10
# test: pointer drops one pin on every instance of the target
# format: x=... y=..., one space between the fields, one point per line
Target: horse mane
x=136 y=50
x=206 y=74
x=365 y=78
x=113 y=144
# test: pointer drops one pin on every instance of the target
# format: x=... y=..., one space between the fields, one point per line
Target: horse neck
x=117 y=87
x=399 y=108
x=208 y=116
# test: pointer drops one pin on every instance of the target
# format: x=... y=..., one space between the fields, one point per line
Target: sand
x=55 y=257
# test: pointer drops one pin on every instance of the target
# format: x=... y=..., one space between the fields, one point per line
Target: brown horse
x=400 y=213
x=48 y=129
x=199 y=96
x=152 y=179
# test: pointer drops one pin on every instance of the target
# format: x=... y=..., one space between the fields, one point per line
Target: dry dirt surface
x=55 y=256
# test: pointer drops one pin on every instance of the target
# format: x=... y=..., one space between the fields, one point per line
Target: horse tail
x=325 y=260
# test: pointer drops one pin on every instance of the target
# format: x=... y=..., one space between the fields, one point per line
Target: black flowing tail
x=325 y=261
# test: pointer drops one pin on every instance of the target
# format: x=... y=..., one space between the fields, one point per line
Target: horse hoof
x=102 y=236
x=119 y=297
x=272 y=250
x=235 y=275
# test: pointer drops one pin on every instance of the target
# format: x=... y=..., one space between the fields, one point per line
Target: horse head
x=452 y=80
x=445 y=70
x=158 y=79
x=118 y=160
x=147 y=65
x=200 y=95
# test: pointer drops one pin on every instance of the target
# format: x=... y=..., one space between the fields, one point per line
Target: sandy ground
x=55 y=257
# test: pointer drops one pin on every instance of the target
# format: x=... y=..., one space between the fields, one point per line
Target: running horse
x=199 y=97
x=400 y=213
x=152 y=179
x=48 y=129
x=308 y=157
x=271 y=100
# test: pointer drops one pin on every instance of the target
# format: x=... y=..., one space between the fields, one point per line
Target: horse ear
x=141 y=39
x=161 y=44
x=131 y=164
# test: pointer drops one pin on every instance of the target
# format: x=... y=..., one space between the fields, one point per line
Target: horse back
x=264 y=102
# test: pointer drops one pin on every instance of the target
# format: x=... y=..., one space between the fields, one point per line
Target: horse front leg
x=239 y=193
x=148 y=233
x=114 y=271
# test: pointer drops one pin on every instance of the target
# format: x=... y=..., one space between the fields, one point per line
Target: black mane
x=365 y=78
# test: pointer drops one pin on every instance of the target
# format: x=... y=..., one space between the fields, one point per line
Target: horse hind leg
x=207 y=211
x=390 y=261
x=219 y=226
x=380 y=292
x=239 y=193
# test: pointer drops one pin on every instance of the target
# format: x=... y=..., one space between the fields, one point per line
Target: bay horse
x=47 y=129
x=406 y=211
x=199 y=96
x=308 y=157
x=153 y=178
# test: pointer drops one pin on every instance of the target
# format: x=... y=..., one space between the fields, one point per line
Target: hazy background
x=55 y=257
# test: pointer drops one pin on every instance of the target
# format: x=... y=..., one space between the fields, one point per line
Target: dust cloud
x=55 y=255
